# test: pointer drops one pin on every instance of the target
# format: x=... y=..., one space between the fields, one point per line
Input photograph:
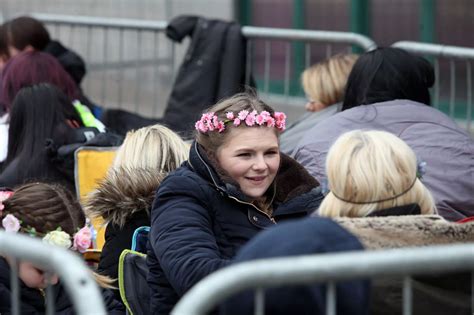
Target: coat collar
x=293 y=184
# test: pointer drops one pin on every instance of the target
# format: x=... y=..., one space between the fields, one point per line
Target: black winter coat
x=302 y=237
x=32 y=301
x=198 y=222
x=213 y=68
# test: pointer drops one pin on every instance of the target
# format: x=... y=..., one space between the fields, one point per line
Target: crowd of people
x=371 y=151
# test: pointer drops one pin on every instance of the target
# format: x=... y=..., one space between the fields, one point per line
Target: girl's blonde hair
x=325 y=81
x=155 y=147
x=369 y=171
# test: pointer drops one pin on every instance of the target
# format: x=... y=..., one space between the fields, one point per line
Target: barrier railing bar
x=156 y=52
x=248 y=31
x=287 y=69
x=104 y=73
x=307 y=61
x=15 y=287
x=469 y=98
x=173 y=60
x=121 y=59
x=49 y=296
x=328 y=50
x=89 y=51
x=331 y=298
x=266 y=75
x=137 y=74
x=308 y=35
x=74 y=274
x=259 y=301
x=248 y=63
x=334 y=267
x=407 y=296
x=102 y=22
x=436 y=84
x=452 y=93
x=436 y=49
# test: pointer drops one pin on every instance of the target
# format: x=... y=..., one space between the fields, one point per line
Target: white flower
x=58 y=238
x=10 y=223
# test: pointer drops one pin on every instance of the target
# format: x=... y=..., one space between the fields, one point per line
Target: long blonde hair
x=325 y=81
x=154 y=147
x=369 y=171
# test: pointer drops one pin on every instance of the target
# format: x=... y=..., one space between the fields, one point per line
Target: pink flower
x=280 y=124
x=250 y=120
x=265 y=114
x=236 y=122
x=260 y=120
x=83 y=239
x=243 y=114
x=200 y=126
x=10 y=223
x=279 y=116
x=270 y=122
x=229 y=115
x=4 y=195
x=220 y=126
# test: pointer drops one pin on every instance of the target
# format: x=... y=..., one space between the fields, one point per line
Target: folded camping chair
x=90 y=167
x=132 y=274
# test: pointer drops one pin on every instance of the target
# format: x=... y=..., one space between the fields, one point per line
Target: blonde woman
x=125 y=196
x=324 y=84
x=373 y=173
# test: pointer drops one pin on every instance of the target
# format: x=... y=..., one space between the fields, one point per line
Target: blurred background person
x=124 y=198
x=324 y=84
x=388 y=89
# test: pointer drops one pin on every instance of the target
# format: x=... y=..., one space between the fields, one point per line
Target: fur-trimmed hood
x=407 y=230
x=123 y=193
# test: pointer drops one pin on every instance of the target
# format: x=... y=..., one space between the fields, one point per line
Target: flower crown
x=210 y=121
x=80 y=242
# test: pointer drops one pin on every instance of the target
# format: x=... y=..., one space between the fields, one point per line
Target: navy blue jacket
x=198 y=222
x=303 y=237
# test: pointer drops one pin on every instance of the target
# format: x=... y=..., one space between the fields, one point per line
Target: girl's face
x=35 y=277
x=251 y=157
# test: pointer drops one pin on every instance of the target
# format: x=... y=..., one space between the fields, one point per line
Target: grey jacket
x=436 y=139
x=293 y=133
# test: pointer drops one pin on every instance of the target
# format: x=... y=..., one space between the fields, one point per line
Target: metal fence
x=74 y=274
x=131 y=63
x=452 y=91
x=329 y=269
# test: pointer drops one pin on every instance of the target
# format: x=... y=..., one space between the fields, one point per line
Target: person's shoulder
x=183 y=178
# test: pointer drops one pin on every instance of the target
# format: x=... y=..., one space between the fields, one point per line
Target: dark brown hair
x=24 y=30
x=45 y=207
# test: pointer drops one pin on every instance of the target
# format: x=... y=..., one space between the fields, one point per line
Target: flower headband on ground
x=210 y=121
x=80 y=242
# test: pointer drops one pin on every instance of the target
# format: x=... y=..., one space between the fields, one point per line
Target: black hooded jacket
x=213 y=68
x=198 y=222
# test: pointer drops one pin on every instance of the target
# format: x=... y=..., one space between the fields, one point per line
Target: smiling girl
x=235 y=184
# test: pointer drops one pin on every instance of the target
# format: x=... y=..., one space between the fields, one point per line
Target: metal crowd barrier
x=146 y=61
x=329 y=269
x=74 y=274
x=446 y=59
